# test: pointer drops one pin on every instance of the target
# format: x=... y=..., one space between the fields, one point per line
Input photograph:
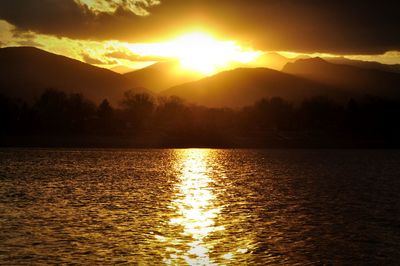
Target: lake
x=199 y=207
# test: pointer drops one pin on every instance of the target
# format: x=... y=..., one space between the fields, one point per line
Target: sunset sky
x=203 y=34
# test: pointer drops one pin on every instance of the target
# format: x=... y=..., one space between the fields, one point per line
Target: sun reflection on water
x=195 y=208
x=198 y=230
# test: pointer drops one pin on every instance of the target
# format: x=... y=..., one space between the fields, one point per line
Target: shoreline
x=118 y=142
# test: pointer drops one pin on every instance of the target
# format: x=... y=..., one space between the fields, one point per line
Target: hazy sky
x=366 y=28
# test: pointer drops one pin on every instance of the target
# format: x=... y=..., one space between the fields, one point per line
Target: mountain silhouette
x=348 y=78
x=275 y=60
x=271 y=60
x=364 y=64
x=27 y=72
x=161 y=76
x=121 y=69
x=243 y=86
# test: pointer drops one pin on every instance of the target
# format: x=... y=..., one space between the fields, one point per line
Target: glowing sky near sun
x=202 y=50
x=198 y=51
x=205 y=35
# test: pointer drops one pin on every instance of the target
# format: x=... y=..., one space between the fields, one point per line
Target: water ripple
x=199 y=207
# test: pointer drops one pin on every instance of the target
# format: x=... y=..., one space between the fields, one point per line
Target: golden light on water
x=196 y=231
x=195 y=209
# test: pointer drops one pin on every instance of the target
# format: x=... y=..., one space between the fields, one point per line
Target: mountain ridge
x=28 y=71
x=347 y=77
x=161 y=75
x=364 y=64
x=246 y=85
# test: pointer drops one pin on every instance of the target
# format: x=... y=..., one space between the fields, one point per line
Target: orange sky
x=136 y=33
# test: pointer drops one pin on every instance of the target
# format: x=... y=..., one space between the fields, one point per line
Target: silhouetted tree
x=52 y=111
x=380 y=118
x=274 y=113
x=28 y=120
x=320 y=113
x=61 y=113
x=108 y=123
x=353 y=117
x=105 y=111
x=173 y=122
x=9 y=115
x=79 y=111
x=138 y=109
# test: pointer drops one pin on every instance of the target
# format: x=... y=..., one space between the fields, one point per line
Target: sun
x=203 y=53
x=199 y=52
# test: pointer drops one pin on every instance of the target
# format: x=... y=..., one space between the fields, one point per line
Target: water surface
x=199 y=207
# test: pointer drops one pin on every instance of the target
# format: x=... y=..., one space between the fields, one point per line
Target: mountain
x=348 y=78
x=244 y=86
x=275 y=60
x=121 y=69
x=27 y=72
x=271 y=60
x=161 y=76
x=364 y=64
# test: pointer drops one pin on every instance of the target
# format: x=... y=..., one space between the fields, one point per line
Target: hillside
x=27 y=72
x=161 y=76
x=364 y=64
x=243 y=86
x=271 y=60
x=348 y=78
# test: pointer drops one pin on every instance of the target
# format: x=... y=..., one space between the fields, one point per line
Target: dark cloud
x=133 y=57
x=352 y=26
x=23 y=34
x=56 y=17
x=95 y=61
x=25 y=38
x=29 y=43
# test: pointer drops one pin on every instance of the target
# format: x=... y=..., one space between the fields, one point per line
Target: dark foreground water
x=199 y=207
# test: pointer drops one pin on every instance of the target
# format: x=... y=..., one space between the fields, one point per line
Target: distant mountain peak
x=121 y=69
x=271 y=60
x=395 y=68
x=243 y=86
x=28 y=71
x=161 y=75
x=307 y=65
x=351 y=78
x=312 y=60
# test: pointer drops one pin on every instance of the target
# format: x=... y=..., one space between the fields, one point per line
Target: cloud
x=25 y=38
x=133 y=57
x=138 y=7
x=97 y=60
x=91 y=60
x=72 y=18
x=347 y=27
x=46 y=16
x=29 y=43
x=10 y=37
x=6 y=33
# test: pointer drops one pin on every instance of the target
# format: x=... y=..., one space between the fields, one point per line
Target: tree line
x=172 y=122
